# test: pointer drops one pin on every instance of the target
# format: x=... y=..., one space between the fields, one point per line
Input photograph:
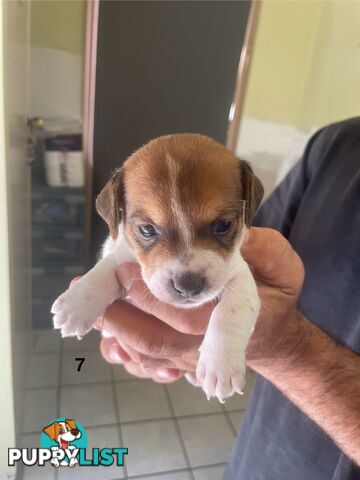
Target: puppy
x=63 y=433
x=180 y=206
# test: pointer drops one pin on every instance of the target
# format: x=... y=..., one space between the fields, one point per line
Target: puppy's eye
x=148 y=231
x=61 y=430
x=221 y=227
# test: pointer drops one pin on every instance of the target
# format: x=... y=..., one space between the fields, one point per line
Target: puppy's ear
x=50 y=431
x=72 y=423
x=252 y=191
x=110 y=202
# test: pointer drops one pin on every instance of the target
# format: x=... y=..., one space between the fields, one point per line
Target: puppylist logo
x=63 y=443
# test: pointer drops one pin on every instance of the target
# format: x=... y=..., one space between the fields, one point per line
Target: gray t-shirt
x=317 y=208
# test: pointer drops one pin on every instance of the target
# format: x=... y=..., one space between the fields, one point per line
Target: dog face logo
x=63 y=433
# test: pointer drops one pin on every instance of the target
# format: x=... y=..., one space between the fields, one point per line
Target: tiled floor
x=172 y=431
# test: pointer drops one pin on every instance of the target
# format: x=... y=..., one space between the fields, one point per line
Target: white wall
x=272 y=148
x=7 y=415
x=56 y=83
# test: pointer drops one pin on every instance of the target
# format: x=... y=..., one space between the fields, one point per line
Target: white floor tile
x=166 y=476
x=189 y=400
x=141 y=400
x=39 y=408
x=46 y=472
x=121 y=374
x=209 y=473
x=91 y=341
x=91 y=473
x=43 y=370
x=153 y=447
x=90 y=404
x=237 y=401
x=46 y=341
x=208 y=439
x=99 y=437
x=94 y=369
x=236 y=418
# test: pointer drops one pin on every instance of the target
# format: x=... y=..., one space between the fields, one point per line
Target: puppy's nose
x=75 y=431
x=188 y=284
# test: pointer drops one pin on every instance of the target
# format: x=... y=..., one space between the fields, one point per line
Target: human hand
x=161 y=342
x=152 y=339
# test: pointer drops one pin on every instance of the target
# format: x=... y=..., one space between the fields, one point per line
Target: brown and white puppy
x=63 y=433
x=180 y=206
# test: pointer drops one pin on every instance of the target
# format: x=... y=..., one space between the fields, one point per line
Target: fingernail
x=163 y=373
x=114 y=355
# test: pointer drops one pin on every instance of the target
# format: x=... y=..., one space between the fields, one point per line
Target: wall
x=58 y=25
x=14 y=222
x=305 y=73
x=57 y=53
x=7 y=414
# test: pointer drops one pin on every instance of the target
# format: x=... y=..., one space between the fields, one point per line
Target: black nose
x=188 y=284
x=75 y=432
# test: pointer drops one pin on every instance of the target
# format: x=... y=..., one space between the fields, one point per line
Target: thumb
x=127 y=273
x=272 y=259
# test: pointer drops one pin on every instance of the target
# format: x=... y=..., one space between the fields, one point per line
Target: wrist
x=283 y=347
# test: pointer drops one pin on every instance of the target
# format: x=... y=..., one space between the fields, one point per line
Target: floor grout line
x=58 y=395
x=178 y=431
x=117 y=416
x=148 y=420
x=84 y=383
x=228 y=419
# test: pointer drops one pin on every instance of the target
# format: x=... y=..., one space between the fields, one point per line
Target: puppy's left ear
x=252 y=190
x=110 y=202
x=72 y=423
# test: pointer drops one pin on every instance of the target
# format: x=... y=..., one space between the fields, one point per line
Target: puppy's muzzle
x=188 y=284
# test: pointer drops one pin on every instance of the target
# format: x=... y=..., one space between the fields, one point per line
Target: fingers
x=146 y=334
x=273 y=259
x=115 y=354
x=159 y=376
x=186 y=321
x=74 y=281
x=112 y=352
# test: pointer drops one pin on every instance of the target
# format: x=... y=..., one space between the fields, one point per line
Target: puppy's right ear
x=110 y=202
x=50 y=431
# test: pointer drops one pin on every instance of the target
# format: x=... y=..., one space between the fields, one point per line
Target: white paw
x=73 y=462
x=55 y=462
x=221 y=369
x=76 y=310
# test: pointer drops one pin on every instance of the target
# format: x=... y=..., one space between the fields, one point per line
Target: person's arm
x=319 y=376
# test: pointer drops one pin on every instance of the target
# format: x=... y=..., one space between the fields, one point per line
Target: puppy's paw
x=73 y=462
x=55 y=462
x=76 y=311
x=221 y=369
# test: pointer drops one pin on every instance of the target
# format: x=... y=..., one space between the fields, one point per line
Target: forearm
x=322 y=378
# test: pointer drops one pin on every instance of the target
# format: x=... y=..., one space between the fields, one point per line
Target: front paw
x=76 y=311
x=221 y=369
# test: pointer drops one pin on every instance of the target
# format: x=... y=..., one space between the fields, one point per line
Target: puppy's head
x=184 y=201
x=63 y=432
